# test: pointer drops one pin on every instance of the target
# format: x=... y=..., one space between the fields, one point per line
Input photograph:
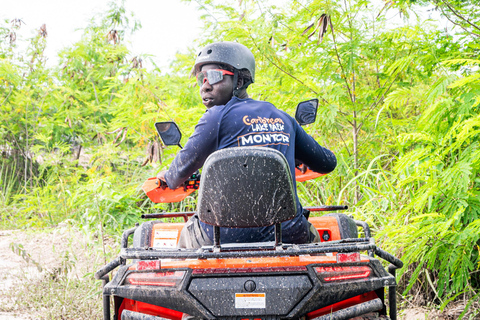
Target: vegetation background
x=399 y=105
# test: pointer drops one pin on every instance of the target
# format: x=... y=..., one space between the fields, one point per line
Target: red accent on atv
x=146 y=308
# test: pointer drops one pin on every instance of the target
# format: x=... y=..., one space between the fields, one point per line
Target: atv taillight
x=148 y=265
x=343 y=273
x=163 y=279
x=348 y=257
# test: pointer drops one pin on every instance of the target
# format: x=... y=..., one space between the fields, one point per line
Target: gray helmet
x=234 y=54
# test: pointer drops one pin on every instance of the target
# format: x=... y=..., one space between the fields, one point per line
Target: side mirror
x=306 y=112
x=169 y=133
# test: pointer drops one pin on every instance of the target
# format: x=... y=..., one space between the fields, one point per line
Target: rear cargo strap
x=351 y=312
x=132 y=315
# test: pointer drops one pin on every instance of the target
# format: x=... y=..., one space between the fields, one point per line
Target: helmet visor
x=212 y=76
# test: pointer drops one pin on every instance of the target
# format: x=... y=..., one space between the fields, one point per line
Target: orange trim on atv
x=166 y=235
x=161 y=194
x=158 y=194
x=239 y=264
x=326 y=224
x=307 y=175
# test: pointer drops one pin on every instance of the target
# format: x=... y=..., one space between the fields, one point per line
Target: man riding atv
x=224 y=70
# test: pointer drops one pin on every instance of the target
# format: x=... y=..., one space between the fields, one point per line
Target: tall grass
x=9 y=183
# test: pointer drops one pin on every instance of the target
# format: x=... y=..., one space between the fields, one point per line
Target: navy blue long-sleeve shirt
x=247 y=122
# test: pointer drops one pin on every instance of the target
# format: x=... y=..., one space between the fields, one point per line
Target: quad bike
x=272 y=280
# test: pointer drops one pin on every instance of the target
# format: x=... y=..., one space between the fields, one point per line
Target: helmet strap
x=235 y=82
x=237 y=90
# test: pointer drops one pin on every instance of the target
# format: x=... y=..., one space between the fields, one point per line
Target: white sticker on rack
x=250 y=301
x=165 y=239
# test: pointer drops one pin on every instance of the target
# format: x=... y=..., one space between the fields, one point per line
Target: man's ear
x=239 y=82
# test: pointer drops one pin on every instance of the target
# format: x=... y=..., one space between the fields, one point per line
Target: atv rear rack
x=264 y=249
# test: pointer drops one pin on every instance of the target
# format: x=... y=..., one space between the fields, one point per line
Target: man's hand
x=161 y=175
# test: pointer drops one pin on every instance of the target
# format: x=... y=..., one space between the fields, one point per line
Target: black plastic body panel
x=142 y=238
x=278 y=294
x=346 y=225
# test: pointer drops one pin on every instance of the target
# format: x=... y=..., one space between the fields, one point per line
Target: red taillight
x=249 y=270
x=163 y=279
x=343 y=273
x=348 y=257
x=149 y=265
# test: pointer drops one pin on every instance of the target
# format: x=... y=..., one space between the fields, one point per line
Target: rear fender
x=335 y=226
x=157 y=234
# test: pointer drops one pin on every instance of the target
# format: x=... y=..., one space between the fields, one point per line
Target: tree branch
x=8 y=96
x=341 y=138
x=205 y=8
x=284 y=71
x=458 y=14
x=380 y=96
x=340 y=62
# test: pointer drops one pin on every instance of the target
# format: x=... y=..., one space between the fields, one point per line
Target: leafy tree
x=81 y=132
x=440 y=173
x=23 y=87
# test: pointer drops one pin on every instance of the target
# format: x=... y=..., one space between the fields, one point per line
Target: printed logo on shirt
x=266 y=131
x=264 y=124
x=263 y=139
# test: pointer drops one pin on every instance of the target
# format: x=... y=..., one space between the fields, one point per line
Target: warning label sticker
x=250 y=300
x=165 y=239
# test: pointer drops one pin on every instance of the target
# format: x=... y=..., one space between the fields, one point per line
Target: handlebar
x=326 y=208
x=183 y=215
x=191 y=183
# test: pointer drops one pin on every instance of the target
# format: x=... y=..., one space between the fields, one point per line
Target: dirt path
x=40 y=254
x=12 y=267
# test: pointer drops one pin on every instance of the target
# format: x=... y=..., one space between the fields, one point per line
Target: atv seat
x=246 y=187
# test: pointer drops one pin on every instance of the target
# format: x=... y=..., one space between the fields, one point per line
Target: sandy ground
x=11 y=267
x=47 y=249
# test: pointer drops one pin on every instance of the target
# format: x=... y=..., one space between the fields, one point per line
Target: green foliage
x=75 y=136
x=18 y=249
x=52 y=296
x=441 y=169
